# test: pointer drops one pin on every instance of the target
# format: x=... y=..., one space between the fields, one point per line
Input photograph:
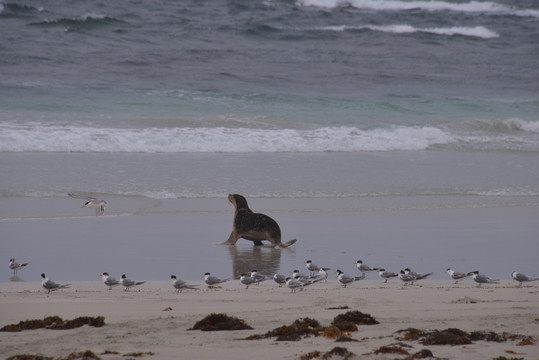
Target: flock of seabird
x=296 y=281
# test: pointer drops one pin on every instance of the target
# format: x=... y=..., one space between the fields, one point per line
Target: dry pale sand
x=136 y=320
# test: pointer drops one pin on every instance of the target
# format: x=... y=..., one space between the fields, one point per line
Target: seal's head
x=238 y=201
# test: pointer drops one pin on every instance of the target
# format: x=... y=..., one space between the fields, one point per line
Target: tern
x=279 y=279
x=247 y=280
x=313 y=268
x=417 y=275
x=323 y=275
x=455 y=275
x=211 y=280
x=345 y=279
x=179 y=285
x=51 y=285
x=407 y=278
x=258 y=277
x=300 y=276
x=386 y=275
x=295 y=284
x=109 y=280
x=15 y=266
x=129 y=283
x=363 y=267
x=522 y=278
x=482 y=279
x=91 y=202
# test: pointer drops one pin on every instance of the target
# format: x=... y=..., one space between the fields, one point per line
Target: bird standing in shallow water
x=15 y=266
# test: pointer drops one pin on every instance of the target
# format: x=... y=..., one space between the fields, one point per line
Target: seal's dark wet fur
x=253 y=226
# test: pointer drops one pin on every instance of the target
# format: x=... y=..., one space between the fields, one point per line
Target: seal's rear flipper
x=287 y=244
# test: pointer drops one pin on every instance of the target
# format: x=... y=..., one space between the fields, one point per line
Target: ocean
x=273 y=99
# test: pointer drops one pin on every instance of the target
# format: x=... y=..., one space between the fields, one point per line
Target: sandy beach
x=150 y=240
x=154 y=319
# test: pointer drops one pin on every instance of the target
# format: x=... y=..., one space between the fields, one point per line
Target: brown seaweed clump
x=391 y=349
x=218 y=322
x=453 y=336
x=56 y=323
x=139 y=354
x=82 y=355
x=293 y=332
x=29 y=357
x=336 y=351
x=349 y=320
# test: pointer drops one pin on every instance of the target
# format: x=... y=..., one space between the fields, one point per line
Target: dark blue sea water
x=191 y=99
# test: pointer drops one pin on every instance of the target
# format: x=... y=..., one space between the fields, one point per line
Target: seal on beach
x=253 y=226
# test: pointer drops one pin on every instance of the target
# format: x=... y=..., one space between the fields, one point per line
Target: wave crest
x=475 y=31
x=481 y=7
x=17 y=138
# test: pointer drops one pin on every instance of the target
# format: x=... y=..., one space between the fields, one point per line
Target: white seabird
x=522 y=278
x=129 y=283
x=386 y=275
x=179 y=284
x=295 y=284
x=91 y=202
x=455 y=275
x=313 y=268
x=211 y=280
x=258 y=277
x=51 y=285
x=482 y=279
x=247 y=280
x=279 y=279
x=363 y=267
x=407 y=277
x=109 y=280
x=346 y=279
x=417 y=276
x=15 y=266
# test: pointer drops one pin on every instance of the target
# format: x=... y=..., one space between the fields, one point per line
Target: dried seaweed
x=219 y=322
x=453 y=336
x=139 y=354
x=392 y=349
x=56 y=323
x=83 y=355
x=336 y=351
x=293 y=332
x=29 y=357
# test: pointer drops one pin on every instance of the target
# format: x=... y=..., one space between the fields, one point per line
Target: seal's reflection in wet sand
x=266 y=260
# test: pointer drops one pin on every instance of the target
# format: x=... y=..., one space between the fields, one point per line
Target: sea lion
x=252 y=226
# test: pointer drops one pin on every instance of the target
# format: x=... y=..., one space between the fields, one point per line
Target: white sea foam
x=475 y=31
x=395 y=5
x=25 y=138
